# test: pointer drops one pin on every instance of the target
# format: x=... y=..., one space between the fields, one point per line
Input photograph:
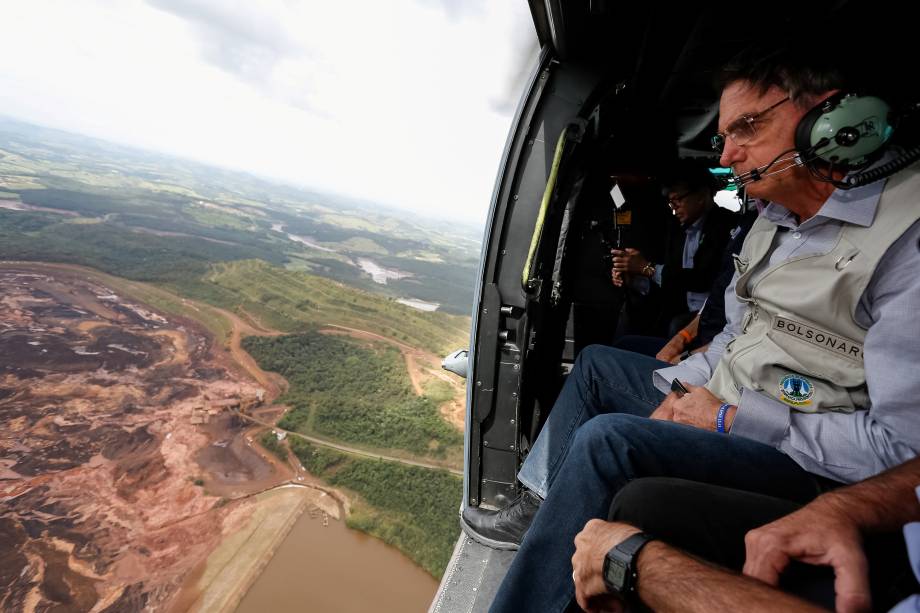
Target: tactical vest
x=799 y=341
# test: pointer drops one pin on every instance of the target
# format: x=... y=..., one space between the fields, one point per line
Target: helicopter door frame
x=500 y=333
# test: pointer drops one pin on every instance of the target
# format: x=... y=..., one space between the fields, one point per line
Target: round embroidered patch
x=796 y=390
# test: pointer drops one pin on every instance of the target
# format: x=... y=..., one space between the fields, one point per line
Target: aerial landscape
x=199 y=367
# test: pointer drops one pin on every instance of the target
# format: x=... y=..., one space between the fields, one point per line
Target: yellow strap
x=544 y=205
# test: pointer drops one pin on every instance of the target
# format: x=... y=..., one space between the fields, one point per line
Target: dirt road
x=273 y=383
x=352 y=450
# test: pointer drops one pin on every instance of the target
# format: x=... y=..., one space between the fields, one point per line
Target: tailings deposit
x=109 y=493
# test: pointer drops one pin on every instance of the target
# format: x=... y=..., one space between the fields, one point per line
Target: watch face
x=615 y=573
x=619 y=573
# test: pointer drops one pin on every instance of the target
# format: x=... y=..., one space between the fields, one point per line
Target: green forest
x=413 y=509
x=292 y=301
x=354 y=393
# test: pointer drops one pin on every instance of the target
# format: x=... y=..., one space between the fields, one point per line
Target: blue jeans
x=596 y=440
x=603 y=380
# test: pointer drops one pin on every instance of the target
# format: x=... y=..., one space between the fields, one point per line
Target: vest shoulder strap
x=898 y=210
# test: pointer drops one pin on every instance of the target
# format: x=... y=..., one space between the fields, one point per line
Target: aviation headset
x=846 y=131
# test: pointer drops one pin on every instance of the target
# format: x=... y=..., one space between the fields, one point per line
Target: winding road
x=345 y=448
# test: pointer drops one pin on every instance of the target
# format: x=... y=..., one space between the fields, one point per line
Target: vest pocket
x=807 y=378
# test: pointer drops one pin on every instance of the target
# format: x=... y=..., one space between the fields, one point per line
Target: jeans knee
x=594 y=360
x=604 y=431
x=588 y=357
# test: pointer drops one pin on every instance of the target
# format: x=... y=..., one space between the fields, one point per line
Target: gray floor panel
x=472 y=578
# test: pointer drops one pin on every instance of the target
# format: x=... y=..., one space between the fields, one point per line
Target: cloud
x=403 y=102
x=524 y=61
x=246 y=39
x=456 y=10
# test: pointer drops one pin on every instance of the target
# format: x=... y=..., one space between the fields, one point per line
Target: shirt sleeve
x=640 y=284
x=698 y=368
x=643 y=284
x=853 y=446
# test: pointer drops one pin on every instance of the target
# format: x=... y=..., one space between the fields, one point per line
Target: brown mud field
x=120 y=455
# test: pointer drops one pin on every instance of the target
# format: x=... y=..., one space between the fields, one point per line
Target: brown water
x=335 y=569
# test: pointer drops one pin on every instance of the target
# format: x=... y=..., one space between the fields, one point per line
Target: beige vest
x=799 y=341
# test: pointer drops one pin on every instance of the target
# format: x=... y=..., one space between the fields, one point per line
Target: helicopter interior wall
x=584 y=307
x=533 y=344
x=643 y=89
x=504 y=327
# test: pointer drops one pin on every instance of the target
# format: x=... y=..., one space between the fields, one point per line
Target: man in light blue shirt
x=824 y=444
x=812 y=386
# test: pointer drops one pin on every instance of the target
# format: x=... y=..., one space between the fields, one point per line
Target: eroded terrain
x=119 y=448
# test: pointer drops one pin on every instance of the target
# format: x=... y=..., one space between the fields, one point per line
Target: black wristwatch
x=621 y=574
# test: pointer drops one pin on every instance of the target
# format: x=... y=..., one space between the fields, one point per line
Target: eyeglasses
x=676 y=200
x=742 y=130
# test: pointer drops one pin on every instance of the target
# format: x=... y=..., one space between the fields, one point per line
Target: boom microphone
x=791 y=161
x=759 y=173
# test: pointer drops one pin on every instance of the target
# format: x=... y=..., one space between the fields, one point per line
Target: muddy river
x=332 y=568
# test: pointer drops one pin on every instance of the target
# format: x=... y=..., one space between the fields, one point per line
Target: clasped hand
x=697 y=408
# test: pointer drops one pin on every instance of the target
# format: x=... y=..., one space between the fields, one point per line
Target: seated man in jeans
x=807 y=387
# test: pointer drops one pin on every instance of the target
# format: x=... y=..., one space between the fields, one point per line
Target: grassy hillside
x=293 y=301
x=355 y=394
x=413 y=509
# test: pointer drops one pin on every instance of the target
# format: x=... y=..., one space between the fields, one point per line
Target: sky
x=402 y=102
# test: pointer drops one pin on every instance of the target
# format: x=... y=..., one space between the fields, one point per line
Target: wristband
x=720 y=418
x=685 y=335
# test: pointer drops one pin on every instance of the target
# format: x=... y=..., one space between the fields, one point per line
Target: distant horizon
x=405 y=104
x=357 y=202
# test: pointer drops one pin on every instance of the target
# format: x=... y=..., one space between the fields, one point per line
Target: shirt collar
x=856 y=206
x=697 y=225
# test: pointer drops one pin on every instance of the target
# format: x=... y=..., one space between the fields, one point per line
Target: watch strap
x=633 y=544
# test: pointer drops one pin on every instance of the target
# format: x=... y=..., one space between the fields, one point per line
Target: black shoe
x=502 y=529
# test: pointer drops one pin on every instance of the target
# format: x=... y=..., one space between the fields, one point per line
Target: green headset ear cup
x=806 y=126
x=854 y=130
